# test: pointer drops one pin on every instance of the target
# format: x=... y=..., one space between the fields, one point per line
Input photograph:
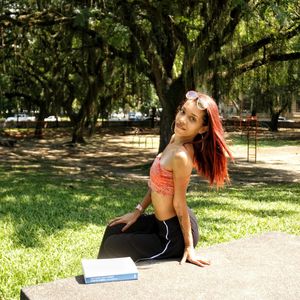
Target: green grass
x=235 y=212
x=49 y=222
x=264 y=141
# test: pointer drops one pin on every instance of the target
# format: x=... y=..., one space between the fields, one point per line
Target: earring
x=172 y=126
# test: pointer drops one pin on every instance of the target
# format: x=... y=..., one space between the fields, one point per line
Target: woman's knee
x=112 y=247
x=111 y=230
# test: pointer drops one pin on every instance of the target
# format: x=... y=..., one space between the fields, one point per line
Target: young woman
x=172 y=230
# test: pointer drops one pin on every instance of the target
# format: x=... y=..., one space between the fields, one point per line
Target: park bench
x=258 y=267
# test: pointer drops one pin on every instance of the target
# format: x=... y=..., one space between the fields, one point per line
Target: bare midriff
x=163 y=206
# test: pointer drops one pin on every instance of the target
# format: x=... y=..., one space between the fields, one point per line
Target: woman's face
x=189 y=120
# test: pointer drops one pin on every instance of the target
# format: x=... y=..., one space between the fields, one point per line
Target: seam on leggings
x=166 y=247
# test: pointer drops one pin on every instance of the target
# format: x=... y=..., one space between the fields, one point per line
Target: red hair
x=210 y=147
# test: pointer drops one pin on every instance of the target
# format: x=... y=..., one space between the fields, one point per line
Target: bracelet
x=139 y=207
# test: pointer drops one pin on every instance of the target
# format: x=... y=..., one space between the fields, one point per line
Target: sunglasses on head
x=201 y=103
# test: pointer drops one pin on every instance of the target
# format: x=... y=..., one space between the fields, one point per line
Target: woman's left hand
x=190 y=255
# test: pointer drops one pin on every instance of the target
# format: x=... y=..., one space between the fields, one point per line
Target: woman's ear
x=203 y=129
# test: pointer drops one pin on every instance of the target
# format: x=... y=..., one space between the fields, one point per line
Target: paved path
x=262 y=267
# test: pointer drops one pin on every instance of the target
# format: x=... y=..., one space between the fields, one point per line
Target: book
x=109 y=269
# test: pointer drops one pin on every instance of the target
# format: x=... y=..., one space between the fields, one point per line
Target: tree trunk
x=170 y=102
x=165 y=129
x=274 y=122
x=77 y=135
x=38 y=133
x=275 y=113
x=86 y=110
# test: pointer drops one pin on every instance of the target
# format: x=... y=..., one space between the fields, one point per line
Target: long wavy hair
x=210 y=148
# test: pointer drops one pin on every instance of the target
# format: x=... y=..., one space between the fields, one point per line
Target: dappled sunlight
x=38 y=212
x=247 y=209
x=56 y=199
x=51 y=185
x=107 y=155
x=101 y=155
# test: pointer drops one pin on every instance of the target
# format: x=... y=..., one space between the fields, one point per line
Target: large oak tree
x=178 y=45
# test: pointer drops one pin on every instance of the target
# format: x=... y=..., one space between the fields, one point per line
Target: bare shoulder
x=182 y=159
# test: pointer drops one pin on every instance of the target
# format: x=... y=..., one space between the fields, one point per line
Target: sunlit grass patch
x=263 y=141
x=49 y=222
x=235 y=212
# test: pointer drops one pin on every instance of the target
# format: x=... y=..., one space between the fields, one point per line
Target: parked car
x=52 y=119
x=20 y=118
x=131 y=116
x=135 y=116
x=139 y=116
x=284 y=119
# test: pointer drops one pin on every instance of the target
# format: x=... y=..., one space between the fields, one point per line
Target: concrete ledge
x=259 y=267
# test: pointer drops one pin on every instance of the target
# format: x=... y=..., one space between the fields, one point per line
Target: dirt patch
x=132 y=154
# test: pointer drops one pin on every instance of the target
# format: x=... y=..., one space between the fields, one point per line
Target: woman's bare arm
x=182 y=169
x=131 y=217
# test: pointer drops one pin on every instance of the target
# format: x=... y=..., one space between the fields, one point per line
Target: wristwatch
x=139 y=207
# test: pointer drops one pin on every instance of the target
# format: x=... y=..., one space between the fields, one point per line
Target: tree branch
x=44 y=18
x=254 y=47
x=275 y=57
x=140 y=41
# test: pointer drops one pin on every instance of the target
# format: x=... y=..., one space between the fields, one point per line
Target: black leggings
x=147 y=238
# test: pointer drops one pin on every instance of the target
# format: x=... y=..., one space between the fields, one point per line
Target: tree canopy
x=84 y=55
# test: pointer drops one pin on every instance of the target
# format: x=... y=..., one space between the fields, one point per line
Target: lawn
x=263 y=140
x=49 y=222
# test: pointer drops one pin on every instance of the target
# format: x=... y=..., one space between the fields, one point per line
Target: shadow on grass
x=39 y=204
x=250 y=173
x=46 y=188
x=259 y=212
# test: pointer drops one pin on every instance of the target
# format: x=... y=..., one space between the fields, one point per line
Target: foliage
x=270 y=87
x=106 y=50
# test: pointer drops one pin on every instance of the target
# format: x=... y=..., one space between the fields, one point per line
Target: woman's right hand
x=127 y=219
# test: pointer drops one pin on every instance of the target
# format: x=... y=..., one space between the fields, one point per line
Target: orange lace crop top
x=161 y=180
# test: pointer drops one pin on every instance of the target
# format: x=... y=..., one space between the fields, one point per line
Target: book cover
x=109 y=269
